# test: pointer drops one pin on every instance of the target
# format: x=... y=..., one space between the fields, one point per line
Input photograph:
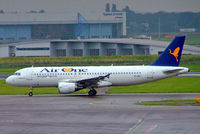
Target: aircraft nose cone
x=9 y=80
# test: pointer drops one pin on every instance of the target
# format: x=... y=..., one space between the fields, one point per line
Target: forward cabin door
x=28 y=77
x=34 y=78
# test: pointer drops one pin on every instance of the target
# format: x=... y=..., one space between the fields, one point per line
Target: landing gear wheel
x=31 y=91
x=30 y=94
x=95 y=92
x=92 y=92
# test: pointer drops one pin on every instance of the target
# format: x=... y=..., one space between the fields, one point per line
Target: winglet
x=172 y=54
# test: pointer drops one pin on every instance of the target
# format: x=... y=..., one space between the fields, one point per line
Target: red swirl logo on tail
x=175 y=53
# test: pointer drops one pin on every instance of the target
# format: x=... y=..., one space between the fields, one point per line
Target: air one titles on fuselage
x=54 y=70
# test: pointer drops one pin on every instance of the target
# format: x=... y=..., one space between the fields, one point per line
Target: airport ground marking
x=138 y=124
x=150 y=129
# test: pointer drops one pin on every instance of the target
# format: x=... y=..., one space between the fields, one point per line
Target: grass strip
x=170 y=103
x=11 y=64
x=170 y=85
x=6 y=89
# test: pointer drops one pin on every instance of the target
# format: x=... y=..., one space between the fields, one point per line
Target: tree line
x=168 y=22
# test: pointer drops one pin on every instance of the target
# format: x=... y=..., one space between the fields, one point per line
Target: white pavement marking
x=139 y=123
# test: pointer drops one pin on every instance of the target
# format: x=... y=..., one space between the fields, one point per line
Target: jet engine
x=65 y=88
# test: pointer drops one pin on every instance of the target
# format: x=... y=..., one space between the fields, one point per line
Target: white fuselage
x=119 y=75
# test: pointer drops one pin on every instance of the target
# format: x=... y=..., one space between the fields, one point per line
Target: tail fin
x=172 y=54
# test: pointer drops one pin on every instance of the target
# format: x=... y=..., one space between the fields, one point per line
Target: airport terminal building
x=89 y=47
x=73 y=34
x=16 y=27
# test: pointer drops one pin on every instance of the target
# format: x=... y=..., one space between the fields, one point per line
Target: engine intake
x=65 y=88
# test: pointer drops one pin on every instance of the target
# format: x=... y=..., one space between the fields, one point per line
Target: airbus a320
x=71 y=79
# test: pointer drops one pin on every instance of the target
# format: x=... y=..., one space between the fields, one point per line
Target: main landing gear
x=31 y=92
x=92 y=92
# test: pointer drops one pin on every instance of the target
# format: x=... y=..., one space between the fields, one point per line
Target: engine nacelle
x=65 y=88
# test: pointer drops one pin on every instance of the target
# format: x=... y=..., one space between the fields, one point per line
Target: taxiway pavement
x=102 y=114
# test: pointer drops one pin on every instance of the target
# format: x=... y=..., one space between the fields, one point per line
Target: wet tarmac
x=102 y=114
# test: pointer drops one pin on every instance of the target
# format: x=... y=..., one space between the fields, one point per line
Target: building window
x=94 y=52
x=22 y=38
x=77 y=52
x=111 y=52
x=60 y=52
x=94 y=36
x=10 y=39
x=32 y=49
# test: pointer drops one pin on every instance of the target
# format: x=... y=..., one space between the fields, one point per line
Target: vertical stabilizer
x=172 y=54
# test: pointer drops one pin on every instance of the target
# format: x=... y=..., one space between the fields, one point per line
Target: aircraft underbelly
x=46 y=82
x=123 y=80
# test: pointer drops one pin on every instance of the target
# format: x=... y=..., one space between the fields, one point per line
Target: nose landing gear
x=31 y=92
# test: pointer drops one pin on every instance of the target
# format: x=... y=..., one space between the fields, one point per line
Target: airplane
x=71 y=79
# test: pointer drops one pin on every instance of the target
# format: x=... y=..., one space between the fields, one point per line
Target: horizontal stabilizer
x=172 y=71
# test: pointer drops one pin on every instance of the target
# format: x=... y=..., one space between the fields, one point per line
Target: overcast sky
x=99 y=5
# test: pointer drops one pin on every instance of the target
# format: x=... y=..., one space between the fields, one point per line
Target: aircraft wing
x=91 y=81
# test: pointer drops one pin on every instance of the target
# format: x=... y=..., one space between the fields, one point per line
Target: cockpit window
x=18 y=74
